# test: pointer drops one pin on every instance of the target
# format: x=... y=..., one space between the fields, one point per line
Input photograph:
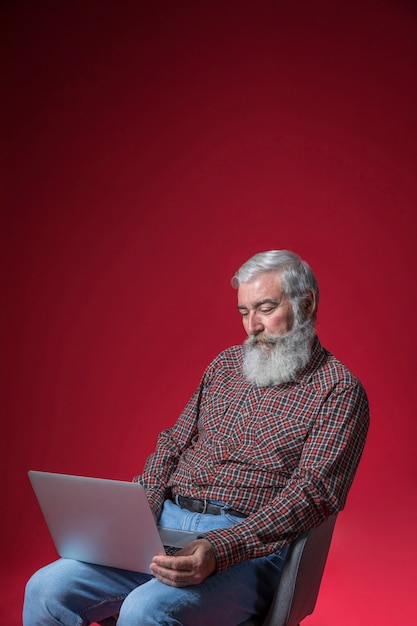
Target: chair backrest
x=301 y=576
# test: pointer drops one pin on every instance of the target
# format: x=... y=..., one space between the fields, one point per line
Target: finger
x=171 y=567
x=176 y=562
x=171 y=577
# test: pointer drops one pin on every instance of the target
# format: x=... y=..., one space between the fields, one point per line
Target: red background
x=150 y=149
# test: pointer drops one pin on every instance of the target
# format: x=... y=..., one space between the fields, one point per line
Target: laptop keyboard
x=171 y=550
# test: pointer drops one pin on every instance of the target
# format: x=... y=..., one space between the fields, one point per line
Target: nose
x=253 y=323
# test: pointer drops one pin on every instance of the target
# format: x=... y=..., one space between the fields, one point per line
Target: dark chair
x=301 y=576
x=299 y=585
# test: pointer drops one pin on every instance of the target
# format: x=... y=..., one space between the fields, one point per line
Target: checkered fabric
x=284 y=455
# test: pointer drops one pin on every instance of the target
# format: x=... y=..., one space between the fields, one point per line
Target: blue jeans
x=72 y=593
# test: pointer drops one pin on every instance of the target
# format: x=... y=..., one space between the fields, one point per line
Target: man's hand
x=190 y=566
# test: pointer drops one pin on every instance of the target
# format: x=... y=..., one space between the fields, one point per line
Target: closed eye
x=265 y=308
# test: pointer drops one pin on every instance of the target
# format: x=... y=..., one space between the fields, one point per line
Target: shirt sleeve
x=317 y=488
x=171 y=442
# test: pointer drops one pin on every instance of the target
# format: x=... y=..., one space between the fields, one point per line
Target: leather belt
x=203 y=506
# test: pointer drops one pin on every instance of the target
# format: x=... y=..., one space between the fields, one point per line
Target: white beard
x=275 y=359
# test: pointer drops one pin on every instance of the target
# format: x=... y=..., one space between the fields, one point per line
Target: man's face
x=264 y=307
x=279 y=341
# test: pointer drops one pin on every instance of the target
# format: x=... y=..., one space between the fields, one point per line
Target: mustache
x=263 y=339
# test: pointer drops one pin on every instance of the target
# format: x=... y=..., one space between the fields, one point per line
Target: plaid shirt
x=284 y=455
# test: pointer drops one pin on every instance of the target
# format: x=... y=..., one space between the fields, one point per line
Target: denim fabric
x=71 y=593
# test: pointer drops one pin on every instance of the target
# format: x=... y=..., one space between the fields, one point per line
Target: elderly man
x=266 y=448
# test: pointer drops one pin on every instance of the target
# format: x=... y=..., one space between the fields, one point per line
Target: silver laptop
x=101 y=521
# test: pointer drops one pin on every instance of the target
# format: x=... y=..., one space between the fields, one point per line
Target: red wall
x=150 y=149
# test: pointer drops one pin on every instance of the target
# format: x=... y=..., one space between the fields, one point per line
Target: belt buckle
x=205 y=504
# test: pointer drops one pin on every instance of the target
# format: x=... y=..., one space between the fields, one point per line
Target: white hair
x=296 y=275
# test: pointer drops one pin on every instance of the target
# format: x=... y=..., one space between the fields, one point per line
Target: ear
x=309 y=304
